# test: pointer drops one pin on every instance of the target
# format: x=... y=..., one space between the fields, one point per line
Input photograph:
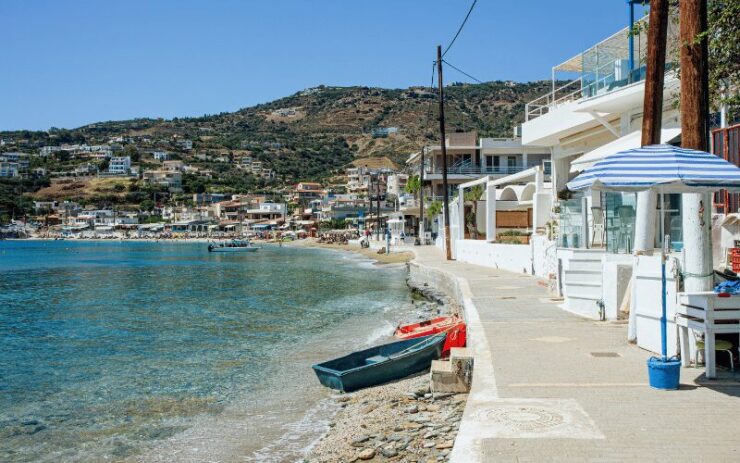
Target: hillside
x=310 y=135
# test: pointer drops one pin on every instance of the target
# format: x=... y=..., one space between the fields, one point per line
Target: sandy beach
x=392 y=258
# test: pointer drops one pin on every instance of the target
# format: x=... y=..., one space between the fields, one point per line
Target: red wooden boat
x=453 y=326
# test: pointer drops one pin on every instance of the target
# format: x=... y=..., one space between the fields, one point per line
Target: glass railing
x=619 y=210
x=486 y=170
x=570 y=234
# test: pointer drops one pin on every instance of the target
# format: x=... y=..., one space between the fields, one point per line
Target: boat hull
x=380 y=364
x=454 y=327
x=233 y=249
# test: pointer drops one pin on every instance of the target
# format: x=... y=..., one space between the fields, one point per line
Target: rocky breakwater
x=398 y=422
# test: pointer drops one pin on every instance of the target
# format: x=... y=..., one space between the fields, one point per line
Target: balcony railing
x=478 y=170
x=608 y=66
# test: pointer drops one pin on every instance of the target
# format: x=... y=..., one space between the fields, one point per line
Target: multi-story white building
x=9 y=169
x=582 y=242
x=396 y=184
x=470 y=158
x=119 y=165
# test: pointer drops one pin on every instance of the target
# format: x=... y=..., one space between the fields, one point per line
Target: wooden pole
x=421 y=198
x=655 y=72
x=694 y=92
x=652 y=118
x=448 y=249
x=377 y=192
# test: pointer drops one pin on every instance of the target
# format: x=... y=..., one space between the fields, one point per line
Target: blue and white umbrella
x=665 y=168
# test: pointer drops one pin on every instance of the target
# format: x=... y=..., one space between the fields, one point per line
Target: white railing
x=540 y=106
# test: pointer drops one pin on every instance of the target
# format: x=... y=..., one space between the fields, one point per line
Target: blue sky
x=69 y=63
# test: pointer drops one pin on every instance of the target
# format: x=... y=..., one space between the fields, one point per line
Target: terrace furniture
x=626 y=223
x=719 y=346
x=598 y=226
x=709 y=313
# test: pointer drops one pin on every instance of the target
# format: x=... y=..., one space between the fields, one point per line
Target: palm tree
x=473 y=195
x=434 y=208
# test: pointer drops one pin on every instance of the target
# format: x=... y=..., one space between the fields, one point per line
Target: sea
x=164 y=352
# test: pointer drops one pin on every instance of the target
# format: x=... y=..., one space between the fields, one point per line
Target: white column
x=524 y=161
x=647 y=201
x=584 y=222
x=461 y=212
x=560 y=171
x=490 y=213
x=539 y=178
x=697 y=241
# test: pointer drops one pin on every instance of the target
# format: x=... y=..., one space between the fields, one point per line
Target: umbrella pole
x=663 y=296
x=663 y=321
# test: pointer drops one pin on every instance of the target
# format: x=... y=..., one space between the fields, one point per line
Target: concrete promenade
x=551 y=386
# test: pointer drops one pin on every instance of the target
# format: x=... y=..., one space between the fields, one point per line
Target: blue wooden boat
x=380 y=364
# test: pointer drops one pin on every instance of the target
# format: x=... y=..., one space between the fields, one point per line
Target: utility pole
x=652 y=118
x=377 y=186
x=373 y=180
x=421 y=198
x=696 y=207
x=448 y=249
x=655 y=73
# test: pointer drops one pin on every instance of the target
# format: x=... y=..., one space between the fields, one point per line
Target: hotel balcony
x=472 y=171
x=610 y=82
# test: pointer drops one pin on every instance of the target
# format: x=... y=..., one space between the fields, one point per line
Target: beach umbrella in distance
x=665 y=169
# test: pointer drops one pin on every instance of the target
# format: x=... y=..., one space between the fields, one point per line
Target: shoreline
x=402 y=257
x=397 y=421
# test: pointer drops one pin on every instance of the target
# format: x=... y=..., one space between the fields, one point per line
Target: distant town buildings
x=170 y=179
x=120 y=165
x=160 y=155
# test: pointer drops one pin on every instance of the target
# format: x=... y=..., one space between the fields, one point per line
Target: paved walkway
x=564 y=388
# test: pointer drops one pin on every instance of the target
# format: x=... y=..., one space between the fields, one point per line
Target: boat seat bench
x=375 y=359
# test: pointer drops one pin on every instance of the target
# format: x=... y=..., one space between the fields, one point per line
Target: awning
x=629 y=141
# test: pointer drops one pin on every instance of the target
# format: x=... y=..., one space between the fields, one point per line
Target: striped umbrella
x=665 y=168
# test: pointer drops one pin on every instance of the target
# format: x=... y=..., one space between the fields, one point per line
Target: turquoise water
x=143 y=351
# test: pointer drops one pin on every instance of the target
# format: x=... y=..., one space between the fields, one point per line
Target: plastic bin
x=664 y=374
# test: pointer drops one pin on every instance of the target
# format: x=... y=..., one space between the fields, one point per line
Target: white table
x=708 y=313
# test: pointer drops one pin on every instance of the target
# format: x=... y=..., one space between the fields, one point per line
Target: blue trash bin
x=664 y=374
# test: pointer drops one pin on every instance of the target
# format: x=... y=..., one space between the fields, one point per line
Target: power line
x=460 y=29
x=461 y=71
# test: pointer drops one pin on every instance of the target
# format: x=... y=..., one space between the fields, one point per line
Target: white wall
x=615 y=278
x=646 y=302
x=512 y=257
x=544 y=258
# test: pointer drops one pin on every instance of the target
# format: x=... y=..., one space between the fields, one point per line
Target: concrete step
x=453 y=375
x=460 y=353
x=583 y=276
x=588 y=253
x=583 y=290
x=584 y=264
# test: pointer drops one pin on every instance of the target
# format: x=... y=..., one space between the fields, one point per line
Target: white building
x=161 y=155
x=119 y=165
x=396 y=184
x=9 y=169
x=582 y=243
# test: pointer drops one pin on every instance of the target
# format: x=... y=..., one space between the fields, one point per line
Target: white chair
x=597 y=226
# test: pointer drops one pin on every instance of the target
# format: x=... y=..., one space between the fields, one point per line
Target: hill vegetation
x=311 y=135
